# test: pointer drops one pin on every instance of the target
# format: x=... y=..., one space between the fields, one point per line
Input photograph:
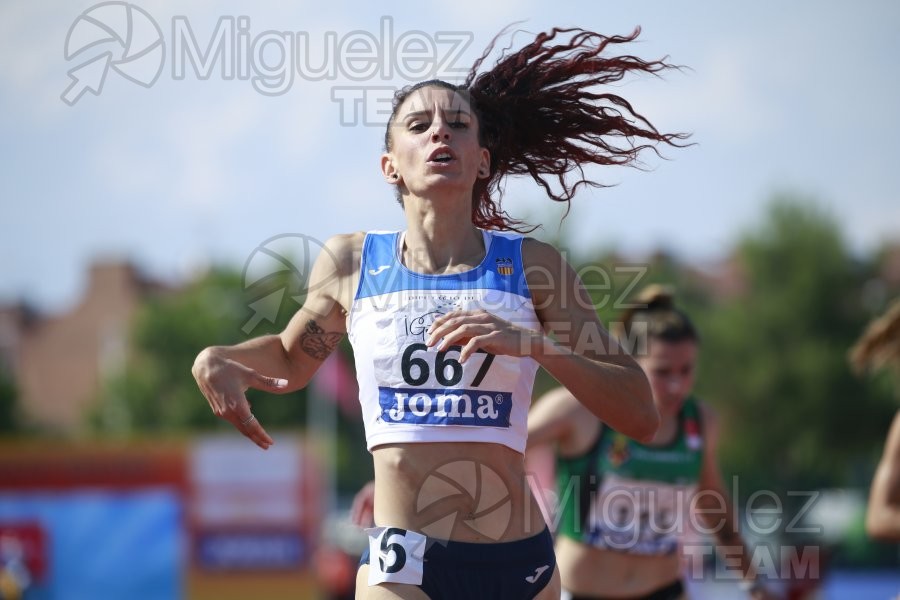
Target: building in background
x=58 y=362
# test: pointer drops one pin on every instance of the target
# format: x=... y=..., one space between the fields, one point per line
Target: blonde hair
x=879 y=345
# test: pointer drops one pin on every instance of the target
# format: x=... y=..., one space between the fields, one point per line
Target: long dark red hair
x=539 y=115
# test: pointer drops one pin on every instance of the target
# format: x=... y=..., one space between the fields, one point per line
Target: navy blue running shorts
x=516 y=570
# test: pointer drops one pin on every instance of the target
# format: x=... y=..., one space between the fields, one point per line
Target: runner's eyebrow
x=416 y=114
x=426 y=113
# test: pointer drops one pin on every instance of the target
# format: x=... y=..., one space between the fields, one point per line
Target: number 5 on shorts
x=395 y=555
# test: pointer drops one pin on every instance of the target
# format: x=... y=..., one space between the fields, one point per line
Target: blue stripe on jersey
x=381 y=272
x=445 y=407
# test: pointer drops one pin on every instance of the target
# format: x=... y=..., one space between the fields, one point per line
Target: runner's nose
x=440 y=131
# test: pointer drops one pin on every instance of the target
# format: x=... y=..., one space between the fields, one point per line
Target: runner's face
x=434 y=142
x=670 y=367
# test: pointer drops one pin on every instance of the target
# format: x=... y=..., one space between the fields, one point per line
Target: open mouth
x=441 y=157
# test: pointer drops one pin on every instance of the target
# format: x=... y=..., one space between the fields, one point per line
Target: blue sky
x=799 y=97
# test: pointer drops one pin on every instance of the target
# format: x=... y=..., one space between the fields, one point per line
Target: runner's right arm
x=285 y=362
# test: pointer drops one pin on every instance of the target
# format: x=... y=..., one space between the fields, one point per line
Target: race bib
x=395 y=555
x=421 y=385
x=638 y=517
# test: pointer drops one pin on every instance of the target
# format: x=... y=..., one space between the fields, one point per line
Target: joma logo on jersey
x=445 y=407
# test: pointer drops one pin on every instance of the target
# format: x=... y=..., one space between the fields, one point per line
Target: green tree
x=776 y=361
x=155 y=391
x=9 y=422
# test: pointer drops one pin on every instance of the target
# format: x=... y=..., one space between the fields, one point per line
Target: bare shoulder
x=344 y=250
x=709 y=417
x=536 y=253
x=547 y=272
x=892 y=445
x=335 y=273
x=708 y=413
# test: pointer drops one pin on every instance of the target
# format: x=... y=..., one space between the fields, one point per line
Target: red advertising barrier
x=25 y=542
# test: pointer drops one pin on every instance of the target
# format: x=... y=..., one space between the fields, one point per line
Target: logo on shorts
x=537 y=574
x=469 y=484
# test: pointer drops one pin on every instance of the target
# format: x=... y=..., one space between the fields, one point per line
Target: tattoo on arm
x=317 y=342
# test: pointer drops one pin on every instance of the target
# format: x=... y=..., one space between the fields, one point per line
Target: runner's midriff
x=471 y=492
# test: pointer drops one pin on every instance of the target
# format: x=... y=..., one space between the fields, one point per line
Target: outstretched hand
x=224 y=382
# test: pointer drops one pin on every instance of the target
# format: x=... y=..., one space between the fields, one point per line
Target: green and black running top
x=630 y=497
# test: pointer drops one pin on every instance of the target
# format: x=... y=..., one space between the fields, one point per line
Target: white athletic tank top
x=412 y=393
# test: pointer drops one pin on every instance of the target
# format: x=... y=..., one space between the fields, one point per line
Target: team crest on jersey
x=618 y=453
x=692 y=434
x=505 y=266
